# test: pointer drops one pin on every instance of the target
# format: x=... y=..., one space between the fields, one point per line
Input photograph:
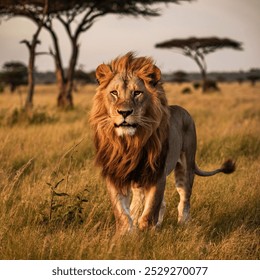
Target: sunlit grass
x=56 y=145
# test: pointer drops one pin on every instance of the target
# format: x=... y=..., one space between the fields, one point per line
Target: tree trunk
x=65 y=98
x=71 y=73
x=62 y=101
x=31 y=83
x=199 y=59
x=65 y=84
x=204 y=80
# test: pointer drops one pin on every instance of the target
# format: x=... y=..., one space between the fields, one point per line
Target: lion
x=140 y=140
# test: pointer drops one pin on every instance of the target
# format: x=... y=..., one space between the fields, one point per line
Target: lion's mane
x=139 y=158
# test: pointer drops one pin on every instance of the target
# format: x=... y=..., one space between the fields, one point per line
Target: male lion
x=139 y=140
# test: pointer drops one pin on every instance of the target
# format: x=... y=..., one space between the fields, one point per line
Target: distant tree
x=241 y=77
x=14 y=74
x=198 y=48
x=76 y=16
x=253 y=76
x=83 y=77
x=180 y=76
x=221 y=78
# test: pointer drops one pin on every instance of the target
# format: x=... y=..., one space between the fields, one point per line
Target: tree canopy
x=202 y=45
x=125 y=7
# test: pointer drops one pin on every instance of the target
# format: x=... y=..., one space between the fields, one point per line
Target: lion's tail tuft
x=227 y=167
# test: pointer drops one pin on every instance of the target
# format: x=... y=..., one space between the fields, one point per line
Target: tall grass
x=52 y=151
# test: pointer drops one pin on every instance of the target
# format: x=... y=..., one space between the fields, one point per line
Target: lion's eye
x=114 y=93
x=137 y=93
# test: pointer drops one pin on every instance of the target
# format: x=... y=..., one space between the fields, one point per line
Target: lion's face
x=130 y=100
x=127 y=100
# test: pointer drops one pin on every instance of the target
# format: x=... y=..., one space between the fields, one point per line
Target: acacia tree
x=198 y=48
x=14 y=74
x=77 y=16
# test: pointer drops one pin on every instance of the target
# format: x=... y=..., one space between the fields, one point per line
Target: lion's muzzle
x=125 y=128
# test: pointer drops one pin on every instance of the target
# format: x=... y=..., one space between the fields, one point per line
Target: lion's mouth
x=126 y=124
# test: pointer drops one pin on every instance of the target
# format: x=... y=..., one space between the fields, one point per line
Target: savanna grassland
x=53 y=201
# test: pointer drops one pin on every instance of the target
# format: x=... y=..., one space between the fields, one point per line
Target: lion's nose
x=125 y=113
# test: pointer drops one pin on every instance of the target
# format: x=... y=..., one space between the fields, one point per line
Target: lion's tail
x=227 y=167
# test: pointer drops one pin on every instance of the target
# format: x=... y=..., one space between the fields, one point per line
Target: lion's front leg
x=120 y=204
x=153 y=202
x=137 y=204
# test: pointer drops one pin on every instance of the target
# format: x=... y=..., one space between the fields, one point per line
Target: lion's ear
x=155 y=76
x=103 y=71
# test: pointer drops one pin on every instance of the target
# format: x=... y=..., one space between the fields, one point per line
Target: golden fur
x=139 y=140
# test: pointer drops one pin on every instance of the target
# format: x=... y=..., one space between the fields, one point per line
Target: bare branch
x=89 y=22
x=27 y=43
x=42 y=53
x=66 y=25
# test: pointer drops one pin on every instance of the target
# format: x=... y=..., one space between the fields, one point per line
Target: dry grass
x=53 y=145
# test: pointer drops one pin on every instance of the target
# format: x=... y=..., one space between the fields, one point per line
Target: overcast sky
x=111 y=36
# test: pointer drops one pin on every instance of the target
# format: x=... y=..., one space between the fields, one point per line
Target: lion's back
x=180 y=118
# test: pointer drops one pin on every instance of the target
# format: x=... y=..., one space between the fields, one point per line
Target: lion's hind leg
x=161 y=213
x=184 y=182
